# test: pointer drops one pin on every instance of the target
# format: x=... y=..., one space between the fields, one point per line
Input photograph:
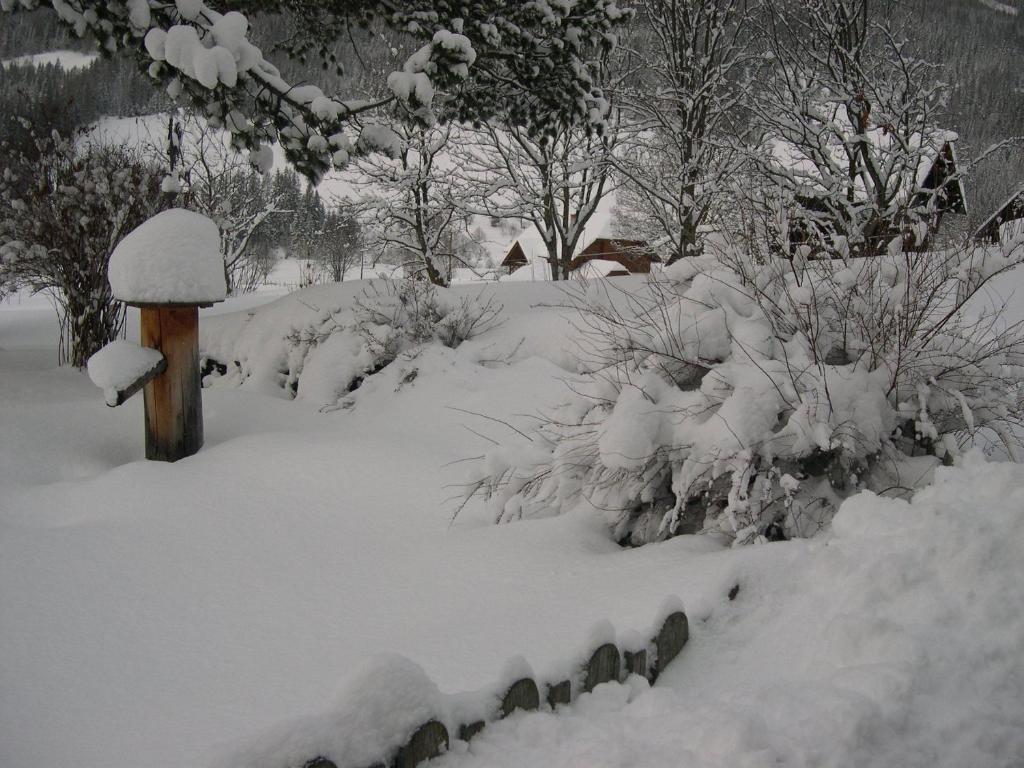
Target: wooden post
x=674 y=634
x=429 y=740
x=174 y=405
x=602 y=667
x=559 y=693
x=522 y=694
x=635 y=662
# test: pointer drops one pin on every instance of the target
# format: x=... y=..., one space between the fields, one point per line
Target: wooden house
x=633 y=255
x=515 y=258
x=1007 y=221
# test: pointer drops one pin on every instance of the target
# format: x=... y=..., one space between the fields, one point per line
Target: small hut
x=169 y=267
x=515 y=258
x=1006 y=223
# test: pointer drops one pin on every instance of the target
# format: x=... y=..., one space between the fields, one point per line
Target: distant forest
x=979 y=45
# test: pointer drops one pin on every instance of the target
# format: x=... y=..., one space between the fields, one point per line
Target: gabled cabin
x=515 y=258
x=634 y=256
x=1006 y=222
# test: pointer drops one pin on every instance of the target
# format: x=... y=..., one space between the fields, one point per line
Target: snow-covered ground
x=167 y=615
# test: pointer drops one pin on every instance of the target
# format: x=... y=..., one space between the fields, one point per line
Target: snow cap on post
x=172 y=259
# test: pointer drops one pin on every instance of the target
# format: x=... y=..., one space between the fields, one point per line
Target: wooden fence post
x=174 y=403
x=602 y=667
x=522 y=694
x=670 y=641
x=429 y=740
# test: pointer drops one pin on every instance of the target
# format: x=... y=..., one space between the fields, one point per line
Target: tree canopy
x=528 y=63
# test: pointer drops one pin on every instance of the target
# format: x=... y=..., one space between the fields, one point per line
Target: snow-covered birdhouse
x=169 y=267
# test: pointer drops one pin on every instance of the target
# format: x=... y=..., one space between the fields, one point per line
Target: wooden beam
x=139 y=383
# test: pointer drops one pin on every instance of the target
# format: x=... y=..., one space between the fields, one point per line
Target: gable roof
x=515 y=256
x=1012 y=209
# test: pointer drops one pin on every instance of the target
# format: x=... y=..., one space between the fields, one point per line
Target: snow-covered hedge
x=320 y=344
x=748 y=397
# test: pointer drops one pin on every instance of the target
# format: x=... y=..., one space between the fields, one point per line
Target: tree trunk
x=433 y=274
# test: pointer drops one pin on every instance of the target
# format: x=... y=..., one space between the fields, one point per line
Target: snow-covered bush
x=60 y=218
x=749 y=396
x=331 y=346
x=395 y=314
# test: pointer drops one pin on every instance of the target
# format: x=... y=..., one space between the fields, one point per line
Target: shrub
x=749 y=396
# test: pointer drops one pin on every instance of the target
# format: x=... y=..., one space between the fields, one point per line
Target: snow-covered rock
x=174 y=258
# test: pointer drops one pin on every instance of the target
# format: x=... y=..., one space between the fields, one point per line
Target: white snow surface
x=233 y=605
x=66 y=60
x=119 y=364
x=174 y=258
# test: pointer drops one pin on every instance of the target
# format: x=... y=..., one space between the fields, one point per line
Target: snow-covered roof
x=174 y=258
x=600 y=268
x=1011 y=208
x=533 y=247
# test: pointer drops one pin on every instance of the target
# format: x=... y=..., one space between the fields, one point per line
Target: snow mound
x=174 y=258
x=119 y=364
x=380 y=705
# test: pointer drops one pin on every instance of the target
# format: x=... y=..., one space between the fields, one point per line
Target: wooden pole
x=174 y=405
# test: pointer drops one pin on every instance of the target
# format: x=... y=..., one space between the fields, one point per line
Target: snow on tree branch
x=489 y=57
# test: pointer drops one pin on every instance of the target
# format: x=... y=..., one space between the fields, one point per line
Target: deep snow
x=172 y=615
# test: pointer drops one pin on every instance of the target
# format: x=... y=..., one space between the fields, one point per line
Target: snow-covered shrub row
x=749 y=396
x=313 y=348
x=383 y=701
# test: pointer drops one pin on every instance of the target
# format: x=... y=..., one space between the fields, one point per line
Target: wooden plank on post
x=522 y=694
x=174 y=406
x=139 y=383
x=602 y=667
x=670 y=641
x=429 y=740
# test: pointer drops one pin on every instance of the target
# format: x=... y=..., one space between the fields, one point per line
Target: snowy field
x=66 y=60
x=168 y=615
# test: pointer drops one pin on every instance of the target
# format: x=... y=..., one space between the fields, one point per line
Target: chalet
x=934 y=181
x=515 y=258
x=1006 y=223
x=602 y=257
x=632 y=256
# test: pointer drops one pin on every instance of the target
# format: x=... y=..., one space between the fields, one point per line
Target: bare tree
x=849 y=122
x=684 y=101
x=343 y=241
x=213 y=178
x=555 y=182
x=413 y=197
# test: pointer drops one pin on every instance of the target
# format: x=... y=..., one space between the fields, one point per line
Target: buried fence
x=607 y=662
